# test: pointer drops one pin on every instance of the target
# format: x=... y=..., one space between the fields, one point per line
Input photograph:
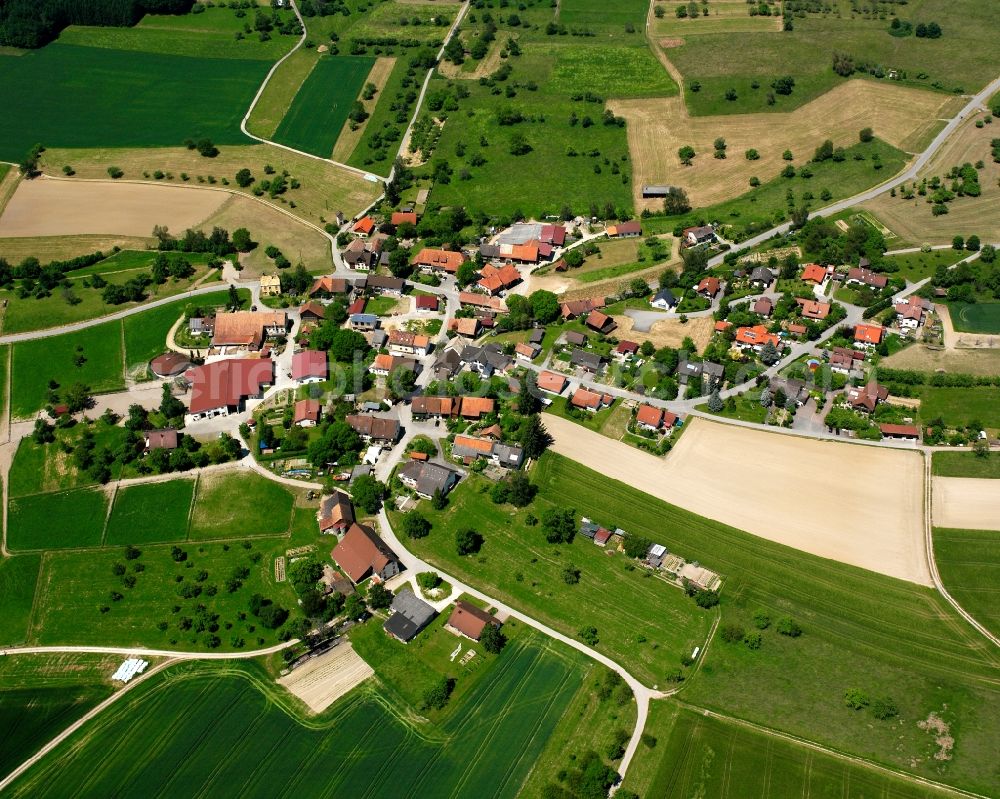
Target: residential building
x=571 y=309
x=222 y=387
x=574 y=338
x=362 y=554
x=845 y=361
x=761 y=276
x=486 y=360
x=588 y=400
x=385 y=364
x=408 y=616
x=403 y=218
x=402 y=342
x=364 y=227
x=625 y=230
x=474 y=300
x=763 y=307
x=588 y=361
x=649 y=417
x=440 y=262
x=626 y=350
x=693 y=236
x=910 y=312
x=813 y=309
x=467 y=327
x=383 y=284
x=375 y=429
x=329 y=286
x=526 y=352
x=309 y=366
x=363 y=321
x=312 y=312
x=814 y=273
x=270 y=286
x=755 y=337
x=470 y=448
x=468 y=620
x=476 y=407
x=434 y=407
x=709 y=287
x=424 y=478
x=866 y=397
x=664 y=299
x=166 y=438
x=426 y=303
x=244 y=331
x=600 y=322
x=792 y=388
x=866 y=277
x=307 y=412
x=868 y=336
x=551 y=382
x=363 y=255
x=336 y=514
x=903 y=431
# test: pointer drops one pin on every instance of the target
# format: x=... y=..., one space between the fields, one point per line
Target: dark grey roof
x=713 y=369
x=572 y=337
x=588 y=360
x=508 y=454
x=689 y=369
x=666 y=295
x=489 y=250
x=537 y=335
x=762 y=274
x=410 y=615
x=428 y=477
x=386 y=282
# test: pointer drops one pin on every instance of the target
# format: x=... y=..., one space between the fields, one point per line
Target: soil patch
x=324 y=679
x=668 y=332
x=966 y=503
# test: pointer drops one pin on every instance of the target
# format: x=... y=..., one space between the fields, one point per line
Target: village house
x=907 y=432
x=625 y=230
x=866 y=277
x=664 y=299
x=363 y=255
x=649 y=417
x=813 y=309
x=425 y=303
x=470 y=448
x=814 y=273
x=693 y=236
x=402 y=342
x=312 y=312
x=762 y=277
x=363 y=321
x=468 y=620
x=307 y=413
x=797 y=329
x=474 y=300
x=362 y=554
x=551 y=382
x=403 y=218
x=708 y=287
x=494 y=281
x=424 y=478
x=429 y=407
x=375 y=429
x=447 y=364
x=439 y=262
x=845 y=361
x=588 y=400
x=486 y=360
x=201 y=325
x=600 y=322
x=466 y=327
x=792 y=388
x=625 y=351
x=526 y=352
x=309 y=366
x=571 y=309
x=166 y=438
x=385 y=285
x=246 y=331
x=911 y=311
x=588 y=361
x=476 y=407
x=408 y=616
x=866 y=397
x=754 y=338
x=336 y=514
x=364 y=227
x=329 y=286
x=222 y=387
x=868 y=336
x=384 y=364
x=574 y=338
x=763 y=307
x=270 y=286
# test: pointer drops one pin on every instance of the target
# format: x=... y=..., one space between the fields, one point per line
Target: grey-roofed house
x=589 y=361
x=383 y=284
x=762 y=276
x=793 y=389
x=688 y=370
x=664 y=299
x=410 y=615
x=447 y=365
x=649 y=191
x=489 y=251
x=510 y=456
x=378 y=338
x=715 y=373
x=486 y=360
x=425 y=478
x=537 y=336
x=574 y=338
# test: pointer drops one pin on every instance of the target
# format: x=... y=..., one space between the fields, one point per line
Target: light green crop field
x=965 y=464
x=257 y=741
x=960 y=406
x=150 y=513
x=887 y=637
x=317 y=114
x=74 y=603
x=982 y=317
x=522 y=568
x=719 y=61
x=18 y=576
x=71 y=96
x=38 y=361
x=64 y=520
x=41 y=695
x=236 y=505
x=697 y=755
x=969 y=562
x=594 y=14
x=609 y=71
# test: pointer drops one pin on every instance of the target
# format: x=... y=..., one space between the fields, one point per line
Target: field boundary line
x=190 y=514
x=107 y=515
x=831 y=751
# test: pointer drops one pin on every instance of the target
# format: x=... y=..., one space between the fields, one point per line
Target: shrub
x=761 y=620
x=588 y=635
x=753 y=640
x=789 y=627
x=732 y=633
x=855 y=698
x=884 y=708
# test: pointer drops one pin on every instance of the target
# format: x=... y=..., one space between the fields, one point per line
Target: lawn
x=768 y=204
x=41 y=695
x=238 y=504
x=317 y=114
x=592 y=421
x=40 y=468
x=150 y=513
x=982 y=317
x=696 y=755
x=860 y=629
x=965 y=464
x=382 y=306
x=960 y=406
x=71 y=96
x=969 y=563
x=18 y=576
x=63 y=520
x=258 y=740
x=745 y=408
x=76 y=600
x=641 y=620
x=915 y=266
x=38 y=361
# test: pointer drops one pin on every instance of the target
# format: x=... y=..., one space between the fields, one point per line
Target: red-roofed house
x=222 y=387
x=866 y=397
x=708 y=287
x=493 y=280
x=404 y=218
x=309 y=366
x=312 y=311
x=307 y=412
x=722 y=326
x=468 y=620
x=600 y=322
x=649 y=417
x=813 y=309
x=590 y=400
x=814 y=273
x=552 y=382
x=328 y=285
x=362 y=554
x=866 y=277
x=868 y=335
x=907 y=431
x=466 y=326
x=624 y=230
x=476 y=407
x=426 y=303
x=364 y=227
x=626 y=350
x=754 y=338
x=763 y=307
x=444 y=262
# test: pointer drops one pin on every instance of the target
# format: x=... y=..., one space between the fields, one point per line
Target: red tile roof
x=481 y=445
x=906 y=430
x=358 y=306
x=329 y=284
x=307 y=410
x=364 y=225
x=480 y=300
x=475 y=407
x=709 y=285
x=309 y=363
x=627 y=347
x=404 y=217
x=445 y=260
x=553 y=234
x=427 y=302
x=469 y=620
x=722 y=325
x=312 y=308
x=649 y=415
x=756 y=335
x=361 y=552
x=868 y=334
x=584 y=398
x=814 y=273
x=551 y=381
x=813 y=309
x=598 y=320
x=225 y=383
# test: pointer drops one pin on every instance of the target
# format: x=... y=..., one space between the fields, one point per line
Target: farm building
x=362 y=554
x=336 y=514
x=409 y=615
x=468 y=620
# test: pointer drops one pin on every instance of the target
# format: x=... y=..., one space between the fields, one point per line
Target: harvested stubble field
x=923 y=359
x=323 y=680
x=970 y=503
x=658 y=127
x=709 y=474
x=325 y=188
x=258 y=741
x=61 y=247
x=47 y=207
x=913 y=221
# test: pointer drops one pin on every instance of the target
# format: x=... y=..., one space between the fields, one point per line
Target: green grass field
x=73 y=588
x=969 y=562
x=236 y=505
x=982 y=317
x=965 y=464
x=960 y=406
x=71 y=96
x=915 y=266
x=860 y=629
x=317 y=114
x=41 y=695
x=522 y=568
x=609 y=71
x=18 y=576
x=40 y=468
x=257 y=742
x=150 y=513
x=38 y=361
x=63 y=520
x=592 y=14
x=697 y=755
